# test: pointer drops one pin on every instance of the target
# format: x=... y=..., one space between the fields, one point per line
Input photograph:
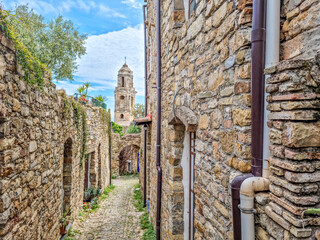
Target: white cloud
x=45 y=7
x=132 y=3
x=105 y=56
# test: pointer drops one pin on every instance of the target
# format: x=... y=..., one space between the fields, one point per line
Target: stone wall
x=209 y=54
x=124 y=148
x=295 y=144
x=42 y=134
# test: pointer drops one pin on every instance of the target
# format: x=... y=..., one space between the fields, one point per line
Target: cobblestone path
x=117 y=217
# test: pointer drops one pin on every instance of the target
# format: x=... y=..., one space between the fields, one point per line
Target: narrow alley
x=117 y=217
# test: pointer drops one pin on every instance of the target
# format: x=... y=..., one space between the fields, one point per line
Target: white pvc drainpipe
x=272 y=58
x=247 y=191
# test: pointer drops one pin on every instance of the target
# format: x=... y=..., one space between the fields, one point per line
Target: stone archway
x=119 y=144
x=128 y=159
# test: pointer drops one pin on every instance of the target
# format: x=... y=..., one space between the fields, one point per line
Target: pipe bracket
x=258 y=35
x=247 y=211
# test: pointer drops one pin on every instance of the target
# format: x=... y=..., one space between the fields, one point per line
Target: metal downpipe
x=258 y=64
x=158 y=146
x=145 y=110
x=258 y=42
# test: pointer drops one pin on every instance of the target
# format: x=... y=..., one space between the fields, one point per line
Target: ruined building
x=124 y=96
x=237 y=84
x=52 y=148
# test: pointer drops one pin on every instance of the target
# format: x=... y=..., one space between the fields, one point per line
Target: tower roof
x=125 y=68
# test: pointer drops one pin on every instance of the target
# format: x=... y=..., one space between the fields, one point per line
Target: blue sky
x=115 y=31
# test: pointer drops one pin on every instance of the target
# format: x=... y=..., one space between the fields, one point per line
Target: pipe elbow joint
x=251 y=185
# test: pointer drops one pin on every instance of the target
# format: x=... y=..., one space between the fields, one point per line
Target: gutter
x=258 y=42
x=158 y=143
x=145 y=111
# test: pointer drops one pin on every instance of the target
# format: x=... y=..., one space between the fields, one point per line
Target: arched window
x=67 y=175
x=122 y=97
x=121 y=116
x=122 y=82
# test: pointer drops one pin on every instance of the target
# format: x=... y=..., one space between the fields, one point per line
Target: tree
x=138 y=111
x=57 y=43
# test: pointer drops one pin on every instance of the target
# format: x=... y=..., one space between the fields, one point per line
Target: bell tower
x=124 y=95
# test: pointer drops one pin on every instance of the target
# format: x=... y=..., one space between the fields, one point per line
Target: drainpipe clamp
x=247 y=211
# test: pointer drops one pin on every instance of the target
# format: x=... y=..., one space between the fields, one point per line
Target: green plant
x=101 y=98
x=113 y=176
x=65 y=220
x=117 y=128
x=132 y=129
x=34 y=70
x=57 y=43
x=149 y=233
x=91 y=193
x=315 y=211
x=138 y=203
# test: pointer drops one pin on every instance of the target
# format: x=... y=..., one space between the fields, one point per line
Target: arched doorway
x=128 y=159
x=67 y=175
x=184 y=126
x=90 y=177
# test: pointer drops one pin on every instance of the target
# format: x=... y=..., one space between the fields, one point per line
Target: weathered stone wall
x=300 y=32
x=209 y=54
x=41 y=142
x=127 y=144
x=294 y=104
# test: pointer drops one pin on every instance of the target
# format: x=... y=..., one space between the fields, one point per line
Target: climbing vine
x=34 y=70
x=106 y=118
x=80 y=118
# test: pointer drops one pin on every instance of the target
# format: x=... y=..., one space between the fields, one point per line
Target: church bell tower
x=124 y=97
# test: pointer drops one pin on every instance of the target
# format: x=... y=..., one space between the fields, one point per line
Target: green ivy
x=80 y=118
x=34 y=70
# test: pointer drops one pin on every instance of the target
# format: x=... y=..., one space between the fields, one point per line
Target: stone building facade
x=206 y=49
x=46 y=139
x=124 y=96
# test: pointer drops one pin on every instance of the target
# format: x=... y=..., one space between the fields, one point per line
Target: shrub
x=117 y=128
x=133 y=129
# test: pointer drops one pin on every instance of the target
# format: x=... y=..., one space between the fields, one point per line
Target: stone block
x=195 y=27
x=243 y=3
x=241 y=87
x=204 y=122
x=300 y=134
x=241 y=117
x=278 y=219
x=216 y=119
x=302 y=177
x=227 y=140
x=306 y=115
x=219 y=15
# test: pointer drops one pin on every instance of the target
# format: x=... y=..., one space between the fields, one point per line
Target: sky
x=115 y=31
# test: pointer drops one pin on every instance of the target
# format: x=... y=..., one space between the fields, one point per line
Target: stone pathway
x=116 y=218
